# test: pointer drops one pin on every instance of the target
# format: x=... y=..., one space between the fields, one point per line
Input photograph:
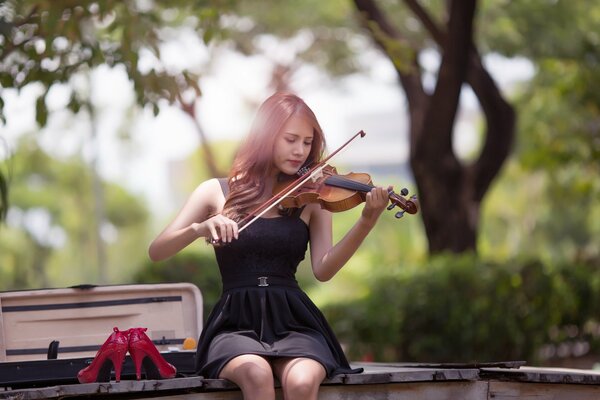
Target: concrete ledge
x=378 y=381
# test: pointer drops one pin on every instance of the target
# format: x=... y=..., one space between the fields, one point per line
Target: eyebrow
x=296 y=135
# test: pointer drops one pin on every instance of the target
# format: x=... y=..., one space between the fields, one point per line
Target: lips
x=295 y=163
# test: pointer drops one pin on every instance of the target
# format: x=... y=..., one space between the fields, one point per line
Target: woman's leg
x=300 y=377
x=253 y=374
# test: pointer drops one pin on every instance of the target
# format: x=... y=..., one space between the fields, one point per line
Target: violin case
x=48 y=335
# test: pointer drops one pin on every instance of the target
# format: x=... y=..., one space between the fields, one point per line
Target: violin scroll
x=410 y=206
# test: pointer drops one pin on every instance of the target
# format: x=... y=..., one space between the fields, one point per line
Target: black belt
x=260 y=281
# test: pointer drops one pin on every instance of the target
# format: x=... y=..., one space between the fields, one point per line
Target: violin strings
x=349 y=184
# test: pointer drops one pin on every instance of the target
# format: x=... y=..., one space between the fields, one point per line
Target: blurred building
x=383 y=151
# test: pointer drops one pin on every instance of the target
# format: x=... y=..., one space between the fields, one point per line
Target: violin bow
x=276 y=199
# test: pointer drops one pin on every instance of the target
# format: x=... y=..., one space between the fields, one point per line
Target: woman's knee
x=261 y=376
x=249 y=371
x=302 y=384
x=300 y=378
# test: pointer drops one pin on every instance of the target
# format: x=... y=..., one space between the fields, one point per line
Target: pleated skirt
x=274 y=321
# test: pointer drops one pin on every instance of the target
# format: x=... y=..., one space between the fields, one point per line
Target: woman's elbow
x=322 y=277
x=154 y=253
x=153 y=257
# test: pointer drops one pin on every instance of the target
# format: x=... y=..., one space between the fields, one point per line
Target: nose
x=298 y=149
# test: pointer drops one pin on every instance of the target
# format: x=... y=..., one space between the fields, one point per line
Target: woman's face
x=292 y=145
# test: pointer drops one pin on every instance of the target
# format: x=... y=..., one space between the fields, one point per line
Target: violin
x=334 y=192
x=337 y=193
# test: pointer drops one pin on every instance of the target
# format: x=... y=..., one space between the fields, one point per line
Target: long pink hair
x=254 y=159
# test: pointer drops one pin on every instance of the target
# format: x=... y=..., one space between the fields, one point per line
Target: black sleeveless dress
x=262 y=310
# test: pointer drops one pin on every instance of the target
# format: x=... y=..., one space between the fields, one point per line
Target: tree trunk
x=3 y=195
x=450 y=218
x=450 y=193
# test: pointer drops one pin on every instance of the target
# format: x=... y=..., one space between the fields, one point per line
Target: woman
x=264 y=325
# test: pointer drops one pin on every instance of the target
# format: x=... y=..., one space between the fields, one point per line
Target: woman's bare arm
x=192 y=222
x=326 y=259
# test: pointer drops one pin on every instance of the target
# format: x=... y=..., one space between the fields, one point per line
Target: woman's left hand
x=377 y=200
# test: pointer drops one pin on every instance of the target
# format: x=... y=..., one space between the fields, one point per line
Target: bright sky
x=231 y=83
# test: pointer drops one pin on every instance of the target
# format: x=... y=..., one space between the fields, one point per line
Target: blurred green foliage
x=50 y=236
x=464 y=309
x=197 y=267
x=51 y=42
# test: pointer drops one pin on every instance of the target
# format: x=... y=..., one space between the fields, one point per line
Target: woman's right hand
x=217 y=228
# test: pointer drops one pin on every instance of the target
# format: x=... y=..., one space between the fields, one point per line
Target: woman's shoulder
x=210 y=188
x=209 y=184
x=313 y=212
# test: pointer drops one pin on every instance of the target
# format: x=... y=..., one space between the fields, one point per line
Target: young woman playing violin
x=264 y=325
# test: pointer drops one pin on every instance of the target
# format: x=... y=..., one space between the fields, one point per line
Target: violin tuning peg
x=302 y=171
x=399 y=214
x=392 y=205
x=404 y=191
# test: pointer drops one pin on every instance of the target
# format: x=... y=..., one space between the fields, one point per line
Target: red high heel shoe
x=114 y=350
x=142 y=350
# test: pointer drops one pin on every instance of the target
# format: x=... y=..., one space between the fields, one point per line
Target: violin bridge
x=317 y=176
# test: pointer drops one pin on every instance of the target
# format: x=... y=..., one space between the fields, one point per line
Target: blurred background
x=112 y=112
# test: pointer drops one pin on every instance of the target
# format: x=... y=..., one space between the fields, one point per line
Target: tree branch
x=500 y=127
x=9 y=45
x=436 y=140
x=499 y=114
x=438 y=36
x=410 y=78
x=190 y=110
